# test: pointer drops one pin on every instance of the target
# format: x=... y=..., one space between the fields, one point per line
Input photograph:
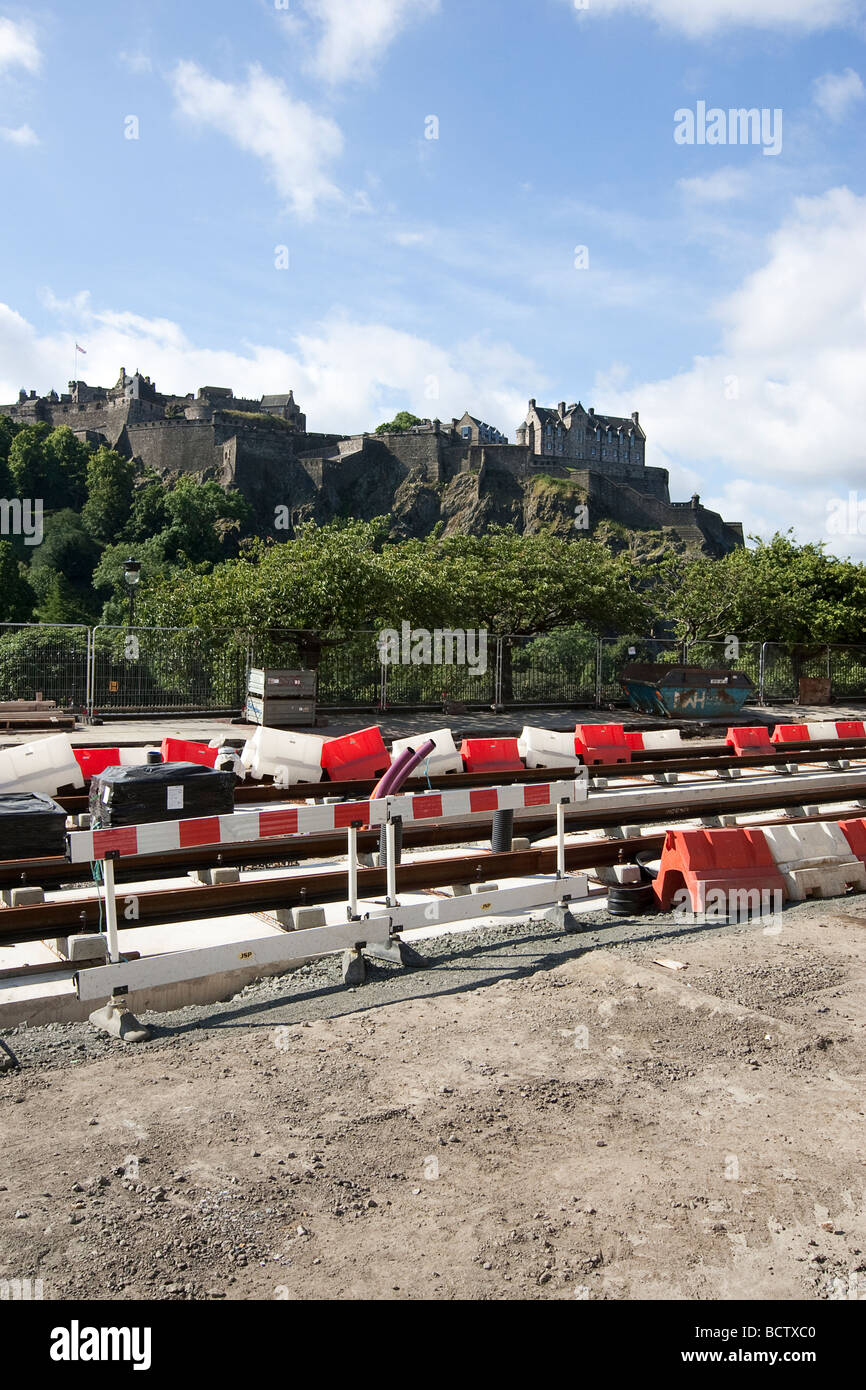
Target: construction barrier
x=490 y=755
x=545 y=748
x=45 y=765
x=819 y=732
x=355 y=757
x=745 y=741
x=815 y=860
x=377 y=929
x=180 y=750
x=92 y=761
x=732 y=862
x=284 y=755
x=601 y=743
x=653 y=740
x=443 y=759
x=241 y=827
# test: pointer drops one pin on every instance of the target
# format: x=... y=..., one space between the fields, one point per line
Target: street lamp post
x=131 y=576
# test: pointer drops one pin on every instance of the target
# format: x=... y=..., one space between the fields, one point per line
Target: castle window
x=467 y=432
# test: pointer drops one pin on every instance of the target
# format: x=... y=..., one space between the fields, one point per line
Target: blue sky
x=722 y=291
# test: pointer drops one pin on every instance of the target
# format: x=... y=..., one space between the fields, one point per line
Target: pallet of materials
x=34 y=714
x=281 y=699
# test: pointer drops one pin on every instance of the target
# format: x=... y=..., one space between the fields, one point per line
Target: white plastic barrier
x=822 y=731
x=282 y=753
x=44 y=766
x=544 y=748
x=443 y=758
x=136 y=757
x=815 y=860
x=662 y=738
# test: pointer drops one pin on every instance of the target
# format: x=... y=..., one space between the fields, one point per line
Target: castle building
x=585 y=439
x=470 y=430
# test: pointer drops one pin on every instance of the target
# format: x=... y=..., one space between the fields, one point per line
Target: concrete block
x=212 y=877
x=520 y=842
x=23 y=897
x=79 y=948
x=625 y=832
x=484 y=887
x=460 y=890
x=299 y=918
x=354 y=968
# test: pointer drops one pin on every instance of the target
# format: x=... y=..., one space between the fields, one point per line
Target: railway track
x=644 y=803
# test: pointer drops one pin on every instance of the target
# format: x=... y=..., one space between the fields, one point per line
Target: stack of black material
x=31 y=825
x=158 y=792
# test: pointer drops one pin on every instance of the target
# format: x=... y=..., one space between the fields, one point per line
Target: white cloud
x=18 y=46
x=836 y=92
x=355 y=36
x=347 y=376
x=19 y=135
x=721 y=187
x=259 y=116
x=776 y=411
x=137 y=61
x=698 y=18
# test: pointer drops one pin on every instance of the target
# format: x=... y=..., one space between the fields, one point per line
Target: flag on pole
x=80 y=349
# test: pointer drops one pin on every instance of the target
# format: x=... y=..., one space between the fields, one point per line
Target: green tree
x=403 y=420
x=68 y=458
x=204 y=521
x=35 y=471
x=8 y=431
x=109 y=494
x=16 y=595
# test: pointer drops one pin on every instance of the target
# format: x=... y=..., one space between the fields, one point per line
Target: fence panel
x=167 y=670
x=347 y=665
x=47 y=657
x=551 y=668
x=616 y=652
x=719 y=654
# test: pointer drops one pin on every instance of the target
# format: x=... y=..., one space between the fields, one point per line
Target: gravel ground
x=531 y=1116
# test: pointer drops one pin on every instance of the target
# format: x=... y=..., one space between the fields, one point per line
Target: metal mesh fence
x=167 y=669
x=553 y=668
x=616 y=652
x=45 y=657
x=182 y=669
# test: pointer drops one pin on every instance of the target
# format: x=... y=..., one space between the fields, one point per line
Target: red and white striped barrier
x=651 y=739
x=819 y=732
x=86 y=846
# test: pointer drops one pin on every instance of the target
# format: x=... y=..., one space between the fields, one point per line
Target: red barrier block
x=355 y=757
x=491 y=755
x=92 y=761
x=179 y=750
x=851 y=728
x=634 y=740
x=749 y=740
x=601 y=743
x=731 y=861
x=790 y=733
x=855 y=833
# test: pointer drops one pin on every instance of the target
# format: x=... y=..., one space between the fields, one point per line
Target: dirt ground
x=581 y=1124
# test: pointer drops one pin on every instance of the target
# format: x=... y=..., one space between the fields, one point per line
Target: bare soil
x=533 y=1117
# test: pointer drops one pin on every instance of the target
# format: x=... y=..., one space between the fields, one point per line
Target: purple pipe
x=385 y=782
x=401 y=770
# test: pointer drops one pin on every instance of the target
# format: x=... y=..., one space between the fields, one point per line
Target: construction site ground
x=534 y=1116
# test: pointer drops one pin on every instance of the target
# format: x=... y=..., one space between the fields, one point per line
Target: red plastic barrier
x=179 y=750
x=855 y=833
x=705 y=861
x=851 y=728
x=601 y=743
x=634 y=740
x=790 y=733
x=491 y=755
x=746 y=740
x=92 y=761
x=354 y=757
